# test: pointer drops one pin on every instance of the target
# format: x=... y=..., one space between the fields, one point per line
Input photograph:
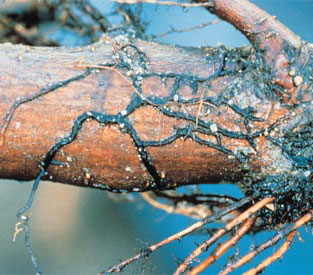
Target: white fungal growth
x=163 y=175
x=18 y=125
x=128 y=169
x=213 y=127
x=276 y=162
x=24 y=218
x=307 y=173
x=298 y=80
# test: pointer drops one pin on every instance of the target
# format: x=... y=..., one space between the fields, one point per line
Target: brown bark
x=225 y=101
x=102 y=154
x=108 y=154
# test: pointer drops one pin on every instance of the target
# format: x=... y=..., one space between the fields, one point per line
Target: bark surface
x=161 y=116
x=200 y=116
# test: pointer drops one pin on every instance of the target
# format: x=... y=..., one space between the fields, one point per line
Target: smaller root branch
x=205 y=245
x=271 y=242
x=220 y=250
x=278 y=254
x=198 y=211
x=145 y=252
x=167 y=3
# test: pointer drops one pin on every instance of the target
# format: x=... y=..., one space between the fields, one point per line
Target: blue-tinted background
x=77 y=230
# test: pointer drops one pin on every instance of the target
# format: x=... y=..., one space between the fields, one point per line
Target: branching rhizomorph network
x=290 y=190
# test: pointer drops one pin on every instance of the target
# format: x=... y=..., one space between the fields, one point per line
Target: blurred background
x=82 y=231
